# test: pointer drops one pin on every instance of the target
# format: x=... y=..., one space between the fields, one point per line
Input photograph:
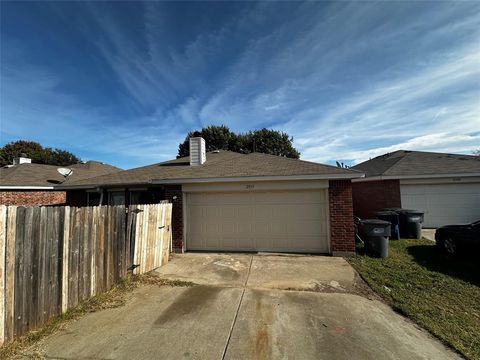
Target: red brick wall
x=342 y=233
x=372 y=196
x=32 y=197
x=177 y=215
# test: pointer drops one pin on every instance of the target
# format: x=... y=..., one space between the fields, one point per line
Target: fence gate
x=150 y=229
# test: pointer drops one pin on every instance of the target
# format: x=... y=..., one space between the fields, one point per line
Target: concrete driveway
x=248 y=307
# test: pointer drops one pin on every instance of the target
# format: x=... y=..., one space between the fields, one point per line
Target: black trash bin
x=410 y=222
x=394 y=219
x=414 y=219
x=375 y=234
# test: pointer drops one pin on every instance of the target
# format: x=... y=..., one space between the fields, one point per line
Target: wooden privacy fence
x=52 y=258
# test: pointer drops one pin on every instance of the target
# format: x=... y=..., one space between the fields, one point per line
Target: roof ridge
x=304 y=161
x=400 y=159
x=433 y=152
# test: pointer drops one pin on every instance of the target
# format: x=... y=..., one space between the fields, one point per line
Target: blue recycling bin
x=393 y=218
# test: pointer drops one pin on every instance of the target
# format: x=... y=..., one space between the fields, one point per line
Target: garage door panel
x=263 y=211
x=290 y=221
x=302 y=228
x=443 y=204
x=305 y=242
x=227 y=227
x=278 y=227
x=261 y=228
x=244 y=228
x=244 y=212
x=263 y=243
x=211 y=242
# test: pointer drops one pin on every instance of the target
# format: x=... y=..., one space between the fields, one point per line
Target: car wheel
x=449 y=245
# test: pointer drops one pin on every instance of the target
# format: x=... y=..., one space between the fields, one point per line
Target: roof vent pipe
x=198 y=154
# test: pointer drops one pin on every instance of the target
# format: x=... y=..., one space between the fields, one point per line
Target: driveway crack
x=238 y=309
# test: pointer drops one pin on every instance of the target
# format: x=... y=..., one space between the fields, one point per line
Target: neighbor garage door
x=287 y=221
x=443 y=203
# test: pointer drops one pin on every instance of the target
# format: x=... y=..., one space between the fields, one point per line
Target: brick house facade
x=32 y=197
x=276 y=179
x=372 y=196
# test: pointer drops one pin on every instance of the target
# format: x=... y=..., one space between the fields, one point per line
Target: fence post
x=66 y=249
x=3 y=245
x=93 y=247
x=10 y=272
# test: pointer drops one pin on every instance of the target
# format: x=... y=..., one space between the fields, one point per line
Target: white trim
x=256 y=178
x=28 y=188
x=79 y=187
x=400 y=177
x=184 y=221
x=328 y=221
x=219 y=179
x=449 y=180
x=255 y=186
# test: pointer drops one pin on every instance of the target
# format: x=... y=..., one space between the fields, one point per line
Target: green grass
x=440 y=293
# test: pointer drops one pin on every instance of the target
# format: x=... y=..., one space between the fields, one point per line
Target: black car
x=458 y=238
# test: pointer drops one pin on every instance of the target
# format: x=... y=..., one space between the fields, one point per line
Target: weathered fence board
x=10 y=272
x=52 y=258
x=3 y=248
x=65 y=257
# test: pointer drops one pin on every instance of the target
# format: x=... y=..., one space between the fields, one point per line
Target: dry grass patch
x=115 y=297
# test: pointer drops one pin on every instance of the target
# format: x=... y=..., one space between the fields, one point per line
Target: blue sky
x=123 y=82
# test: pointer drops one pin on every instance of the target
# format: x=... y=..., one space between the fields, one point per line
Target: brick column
x=174 y=194
x=342 y=232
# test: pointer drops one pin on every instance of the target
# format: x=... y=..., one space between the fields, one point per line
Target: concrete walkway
x=247 y=307
x=429 y=234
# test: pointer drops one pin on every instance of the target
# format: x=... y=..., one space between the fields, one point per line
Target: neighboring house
x=25 y=183
x=445 y=186
x=227 y=201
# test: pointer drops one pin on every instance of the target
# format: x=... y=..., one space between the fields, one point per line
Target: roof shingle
x=47 y=175
x=222 y=164
x=412 y=163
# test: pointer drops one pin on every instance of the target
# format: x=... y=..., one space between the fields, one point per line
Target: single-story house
x=27 y=183
x=227 y=201
x=445 y=186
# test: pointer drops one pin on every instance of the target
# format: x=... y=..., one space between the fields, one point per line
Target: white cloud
x=347 y=80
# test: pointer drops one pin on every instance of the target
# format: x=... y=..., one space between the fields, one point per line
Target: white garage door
x=443 y=203
x=287 y=221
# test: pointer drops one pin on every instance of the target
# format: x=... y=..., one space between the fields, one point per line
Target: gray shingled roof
x=224 y=164
x=419 y=163
x=47 y=175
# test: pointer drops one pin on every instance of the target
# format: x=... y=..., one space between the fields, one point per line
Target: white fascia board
x=257 y=178
x=27 y=188
x=83 y=187
x=406 y=177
